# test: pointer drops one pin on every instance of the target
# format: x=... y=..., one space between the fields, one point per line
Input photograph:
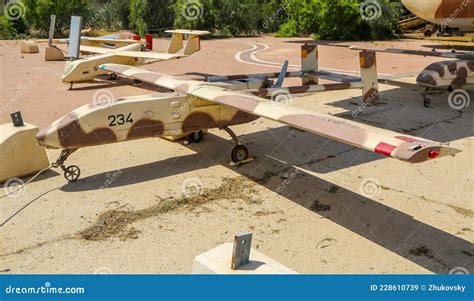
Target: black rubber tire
x=195 y=137
x=113 y=76
x=427 y=102
x=240 y=153
x=72 y=173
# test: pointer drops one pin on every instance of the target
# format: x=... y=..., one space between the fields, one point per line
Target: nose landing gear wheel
x=427 y=101
x=72 y=173
x=239 y=153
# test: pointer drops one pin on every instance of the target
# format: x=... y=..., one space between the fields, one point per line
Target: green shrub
x=342 y=19
x=288 y=30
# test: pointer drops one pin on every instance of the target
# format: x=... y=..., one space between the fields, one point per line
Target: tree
x=225 y=17
x=38 y=12
x=151 y=16
x=342 y=19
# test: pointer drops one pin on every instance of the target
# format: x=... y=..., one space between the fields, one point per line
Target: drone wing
x=149 y=55
x=388 y=143
x=450 y=55
x=152 y=56
x=96 y=50
x=112 y=40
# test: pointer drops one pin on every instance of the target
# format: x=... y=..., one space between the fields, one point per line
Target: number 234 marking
x=120 y=119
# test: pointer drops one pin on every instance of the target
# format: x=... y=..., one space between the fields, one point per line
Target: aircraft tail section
x=193 y=38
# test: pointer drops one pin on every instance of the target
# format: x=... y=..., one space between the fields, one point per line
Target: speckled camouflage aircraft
x=193 y=107
x=452 y=13
x=445 y=75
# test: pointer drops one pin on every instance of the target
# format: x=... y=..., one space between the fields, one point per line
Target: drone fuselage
x=456 y=74
x=165 y=115
x=87 y=68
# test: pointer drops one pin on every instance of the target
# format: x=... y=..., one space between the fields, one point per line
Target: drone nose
x=426 y=80
x=45 y=138
x=41 y=136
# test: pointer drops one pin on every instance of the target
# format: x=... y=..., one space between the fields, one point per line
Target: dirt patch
x=422 y=251
x=326 y=242
x=266 y=213
x=462 y=211
x=320 y=207
x=115 y=223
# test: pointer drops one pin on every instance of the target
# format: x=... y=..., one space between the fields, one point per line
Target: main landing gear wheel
x=195 y=137
x=239 y=153
x=113 y=76
x=426 y=98
x=72 y=173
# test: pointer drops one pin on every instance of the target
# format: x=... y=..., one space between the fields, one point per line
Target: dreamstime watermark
x=457 y=12
x=454 y=192
x=14 y=10
x=184 y=107
x=103 y=98
x=459 y=271
x=192 y=187
x=14 y=187
x=17 y=97
x=99 y=14
x=368 y=102
x=459 y=99
x=281 y=99
x=370 y=188
x=192 y=10
x=278 y=13
x=288 y=179
x=110 y=179
x=370 y=10
x=46 y=289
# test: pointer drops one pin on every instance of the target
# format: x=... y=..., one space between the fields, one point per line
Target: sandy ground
x=308 y=200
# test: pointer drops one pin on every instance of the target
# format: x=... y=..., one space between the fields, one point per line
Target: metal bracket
x=17 y=120
x=241 y=252
x=233 y=164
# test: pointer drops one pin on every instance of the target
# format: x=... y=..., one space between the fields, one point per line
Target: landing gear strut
x=195 y=137
x=240 y=153
x=70 y=85
x=71 y=173
x=426 y=98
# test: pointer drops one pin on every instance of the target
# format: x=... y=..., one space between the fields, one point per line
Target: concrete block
x=29 y=47
x=53 y=53
x=20 y=153
x=218 y=261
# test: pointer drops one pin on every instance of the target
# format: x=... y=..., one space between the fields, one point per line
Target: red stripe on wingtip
x=385 y=149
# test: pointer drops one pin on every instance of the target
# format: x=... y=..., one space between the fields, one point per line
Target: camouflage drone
x=446 y=75
x=193 y=107
x=133 y=54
